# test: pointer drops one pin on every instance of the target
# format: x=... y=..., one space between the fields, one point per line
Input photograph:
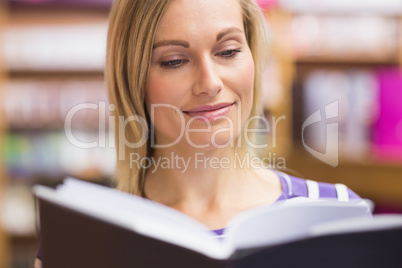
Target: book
x=88 y=225
x=387 y=142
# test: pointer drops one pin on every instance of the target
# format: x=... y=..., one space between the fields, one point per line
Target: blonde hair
x=132 y=28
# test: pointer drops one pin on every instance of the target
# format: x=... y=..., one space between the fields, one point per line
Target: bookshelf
x=52 y=60
x=50 y=82
x=367 y=174
x=4 y=239
x=49 y=74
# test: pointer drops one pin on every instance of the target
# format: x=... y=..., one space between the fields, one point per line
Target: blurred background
x=323 y=51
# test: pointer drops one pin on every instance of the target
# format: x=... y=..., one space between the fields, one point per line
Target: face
x=200 y=83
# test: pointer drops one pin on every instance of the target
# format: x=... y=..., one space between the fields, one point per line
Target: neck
x=192 y=176
x=207 y=185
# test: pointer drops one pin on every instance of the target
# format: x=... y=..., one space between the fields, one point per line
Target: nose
x=207 y=79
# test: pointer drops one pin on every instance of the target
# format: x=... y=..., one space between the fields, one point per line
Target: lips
x=210 y=112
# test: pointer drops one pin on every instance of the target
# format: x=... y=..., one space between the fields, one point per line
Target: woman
x=184 y=79
x=191 y=69
x=196 y=65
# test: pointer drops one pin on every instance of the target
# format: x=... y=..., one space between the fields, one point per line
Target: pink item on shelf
x=265 y=4
x=387 y=132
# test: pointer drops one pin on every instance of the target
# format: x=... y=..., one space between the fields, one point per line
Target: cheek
x=245 y=82
x=154 y=91
x=165 y=89
x=164 y=96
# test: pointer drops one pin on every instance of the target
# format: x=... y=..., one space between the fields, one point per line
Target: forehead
x=184 y=18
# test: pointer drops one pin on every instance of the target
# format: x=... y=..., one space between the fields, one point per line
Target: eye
x=229 y=53
x=172 y=64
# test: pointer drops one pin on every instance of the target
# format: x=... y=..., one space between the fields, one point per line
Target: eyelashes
x=231 y=53
x=174 y=64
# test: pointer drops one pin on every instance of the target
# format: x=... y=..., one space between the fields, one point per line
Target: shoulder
x=296 y=187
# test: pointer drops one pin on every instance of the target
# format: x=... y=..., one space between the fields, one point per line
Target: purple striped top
x=297 y=187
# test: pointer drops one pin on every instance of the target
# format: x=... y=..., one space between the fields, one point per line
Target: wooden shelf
x=59 y=74
x=333 y=60
x=56 y=16
x=380 y=182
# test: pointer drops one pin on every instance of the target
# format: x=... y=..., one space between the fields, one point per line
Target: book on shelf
x=88 y=225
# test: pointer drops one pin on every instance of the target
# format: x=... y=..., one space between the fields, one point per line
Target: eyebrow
x=220 y=35
x=171 y=43
x=185 y=44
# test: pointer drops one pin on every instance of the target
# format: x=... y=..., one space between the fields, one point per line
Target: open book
x=88 y=225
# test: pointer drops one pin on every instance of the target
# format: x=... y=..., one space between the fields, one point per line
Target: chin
x=208 y=142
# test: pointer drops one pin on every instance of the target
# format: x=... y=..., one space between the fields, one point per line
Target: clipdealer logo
x=331 y=154
x=330 y=111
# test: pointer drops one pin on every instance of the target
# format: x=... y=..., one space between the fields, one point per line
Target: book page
x=124 y=201
x=361 y=224
x=288 y=221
